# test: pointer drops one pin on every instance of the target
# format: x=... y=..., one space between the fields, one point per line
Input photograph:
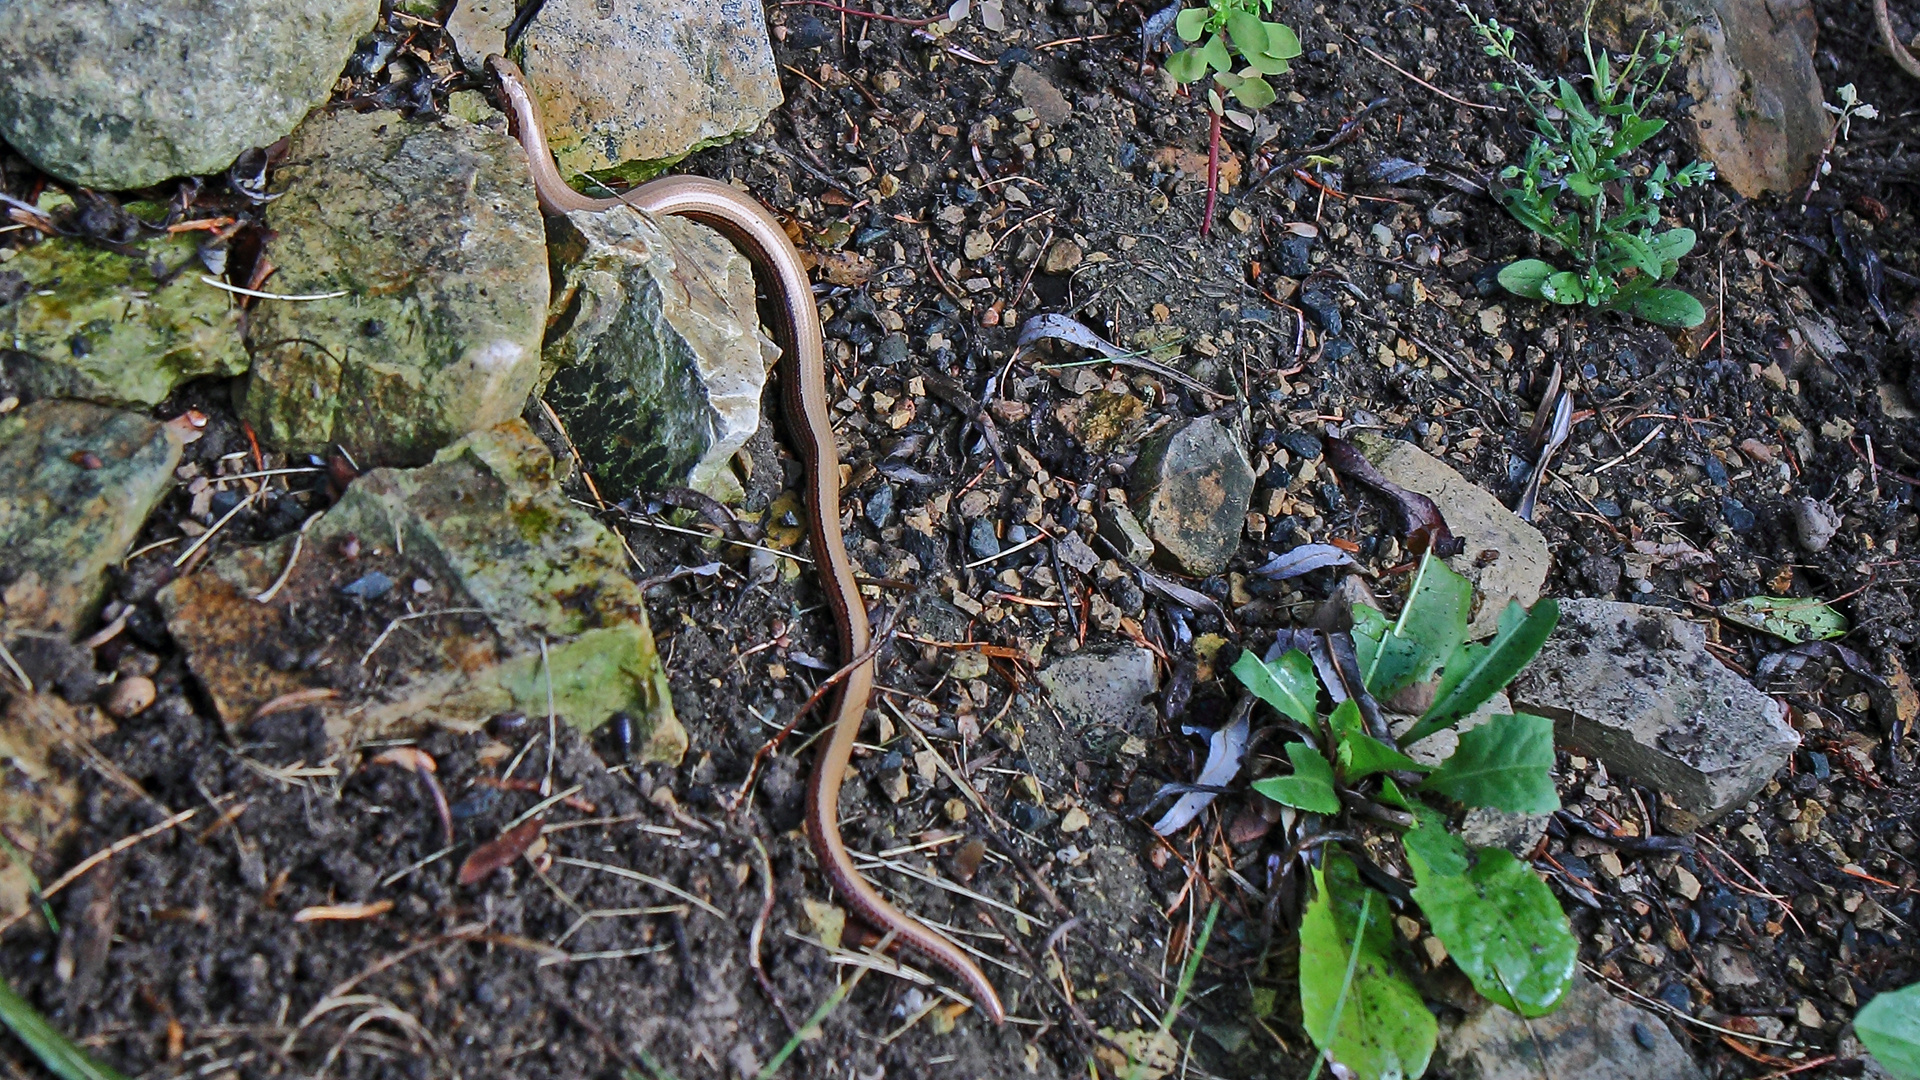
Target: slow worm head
x=747 y=224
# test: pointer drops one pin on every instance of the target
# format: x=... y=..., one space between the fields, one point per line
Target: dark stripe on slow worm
x=749 y=226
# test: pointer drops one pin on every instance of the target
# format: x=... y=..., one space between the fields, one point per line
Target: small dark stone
x=980 y=539
x=880 y=506
x=1304 y=445
x=1015 y=55
x=806 y=32
x=1394 y=290
x=1643 y=1035
x=368 y=586
x=1335 y=349
x=891 y=350
x=1127 y=596
x=474 y=805
x=1601 y=572
x=1293 y=257
x=1676 y=995
x=1025 y=816
x=224 y=501
x=1608 y=507
x=507 y=724
x=1738 y=517
x=1716 y=472
x=1486 y=283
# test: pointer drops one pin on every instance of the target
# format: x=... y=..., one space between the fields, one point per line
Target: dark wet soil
x=181 y=957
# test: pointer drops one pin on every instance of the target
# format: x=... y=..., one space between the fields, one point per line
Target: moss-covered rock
x=118 y=95
x=470 y=587
x=433 y=231
x=76 y=483
x=655 y=349
x=97 y=325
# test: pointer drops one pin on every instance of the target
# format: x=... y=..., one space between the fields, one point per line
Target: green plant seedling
x=1584 y=185
x=1889 y=1025
x=1497 y=919
x=1215 y=34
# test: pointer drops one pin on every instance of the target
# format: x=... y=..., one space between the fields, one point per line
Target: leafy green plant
x=1585 y=153
x=1497 y=919
x=1214 y=34
x=1889 y=1025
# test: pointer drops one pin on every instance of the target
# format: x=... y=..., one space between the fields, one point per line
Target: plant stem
x=1213 y=173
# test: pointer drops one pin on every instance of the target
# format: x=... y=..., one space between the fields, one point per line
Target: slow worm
x=748 y=224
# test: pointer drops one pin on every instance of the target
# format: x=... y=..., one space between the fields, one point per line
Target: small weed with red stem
x=1229 y=27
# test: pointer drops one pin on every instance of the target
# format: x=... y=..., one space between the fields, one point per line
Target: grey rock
x=626 y=87
x=94 y=324
x=1103 y=686
x=1192 y=487
x=1120 y=528
x=118 y=95
x=1076 y=553
x=1485 y=827
x=531 y=595
x=981 y=542
x=657 y=356
x=76 y=483
x=1044 y=98
x=1636 y=687
x=1814 y=523
x=1592 y=1035
x=1505 y=558
x=433 y=231
x=479 y=29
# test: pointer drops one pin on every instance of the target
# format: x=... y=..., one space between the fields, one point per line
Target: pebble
x=1293 y=257
x=880 y=506
x=981 y=542
x=1324 y=308
x=1738 y=517
x=1814 y=523
x=129 y=696
x=1063 y=256
x=1074 y=820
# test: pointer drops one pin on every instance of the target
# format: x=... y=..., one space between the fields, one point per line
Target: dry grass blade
x=644 y=879
x=820 y=1014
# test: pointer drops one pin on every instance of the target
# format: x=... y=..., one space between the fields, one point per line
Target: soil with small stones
x=631 y=942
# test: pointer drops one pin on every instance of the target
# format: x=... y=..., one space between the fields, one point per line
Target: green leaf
x=1432 y=849
x=1889 y=1025
x=1249 y=34
x=1672 y=245
x=1215 y=53
x=1475 y=673
x=1431 y=626
x=1634 y=132
x=1360 y=754
x=1636 y=252
x=61 y=1057
x=1254 y=93
x=1186 y=65
x=1795 y=619
x=1267 y=65
x=1191 y=23
x=1282 y=42
x=1354 y=1002
x=1505 y=763
x=1582 y=186
x=1310 y=787
x=1525 y=278
x=1503 y=927
x=1288 y=684
x=1667 y=307
x=1563 y=288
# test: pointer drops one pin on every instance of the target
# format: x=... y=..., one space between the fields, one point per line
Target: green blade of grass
x=1185 y=984
x=55 y=1051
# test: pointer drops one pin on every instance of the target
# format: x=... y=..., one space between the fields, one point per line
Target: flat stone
x=39 y=798
x=1592 y=1035
x=433 y=231
x=627 y=87
x=1103 y=685
x=115 y=96
x=1120 y=528
x=525 y=591
x=657 y=356
x=1505 y=558
x=1192 y=487
x=1728 y=967
x=479 y=30
x=95 y=325
x=1040 y=95
x=1636 y=687
x=76 y=483
x=1757 y=112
